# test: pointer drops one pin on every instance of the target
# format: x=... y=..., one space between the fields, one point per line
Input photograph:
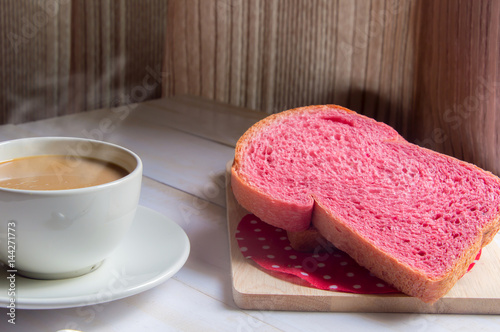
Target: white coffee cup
x=54 y=234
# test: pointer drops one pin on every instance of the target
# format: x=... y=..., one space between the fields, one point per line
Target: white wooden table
x=185 y=143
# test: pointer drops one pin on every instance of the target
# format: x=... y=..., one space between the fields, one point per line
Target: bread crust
x=406 y=279
x=296 y=218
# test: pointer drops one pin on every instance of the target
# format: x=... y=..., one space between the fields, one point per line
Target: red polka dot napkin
x=332 y=269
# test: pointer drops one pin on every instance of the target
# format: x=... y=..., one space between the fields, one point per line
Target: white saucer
x=155 y=249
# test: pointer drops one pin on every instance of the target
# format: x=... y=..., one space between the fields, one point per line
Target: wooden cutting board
x=478 y=292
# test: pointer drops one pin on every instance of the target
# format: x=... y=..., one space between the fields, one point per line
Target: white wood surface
x=185 y=154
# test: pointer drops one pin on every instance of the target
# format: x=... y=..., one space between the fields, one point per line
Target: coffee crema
x=57 y=172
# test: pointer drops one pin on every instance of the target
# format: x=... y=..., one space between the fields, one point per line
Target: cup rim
x=133 y=173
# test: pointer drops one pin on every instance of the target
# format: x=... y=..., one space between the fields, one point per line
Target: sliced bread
x=415 y=218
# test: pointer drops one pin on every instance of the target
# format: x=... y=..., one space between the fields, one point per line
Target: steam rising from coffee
x=62 y=89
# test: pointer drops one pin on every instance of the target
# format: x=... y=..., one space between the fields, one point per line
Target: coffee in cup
x=57 y=172
x=65 y=232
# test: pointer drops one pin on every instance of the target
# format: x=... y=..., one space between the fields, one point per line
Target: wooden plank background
x=428 y=68
x=279 y=54
x=457 y=98
x=66 y=56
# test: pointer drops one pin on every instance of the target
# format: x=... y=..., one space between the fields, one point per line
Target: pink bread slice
x=415 y=218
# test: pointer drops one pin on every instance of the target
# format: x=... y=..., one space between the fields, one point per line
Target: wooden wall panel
x=34 y=59
x=66 y=56
x=272 y=55
x=457 y=98
x=428 y=68
x=116 y=45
